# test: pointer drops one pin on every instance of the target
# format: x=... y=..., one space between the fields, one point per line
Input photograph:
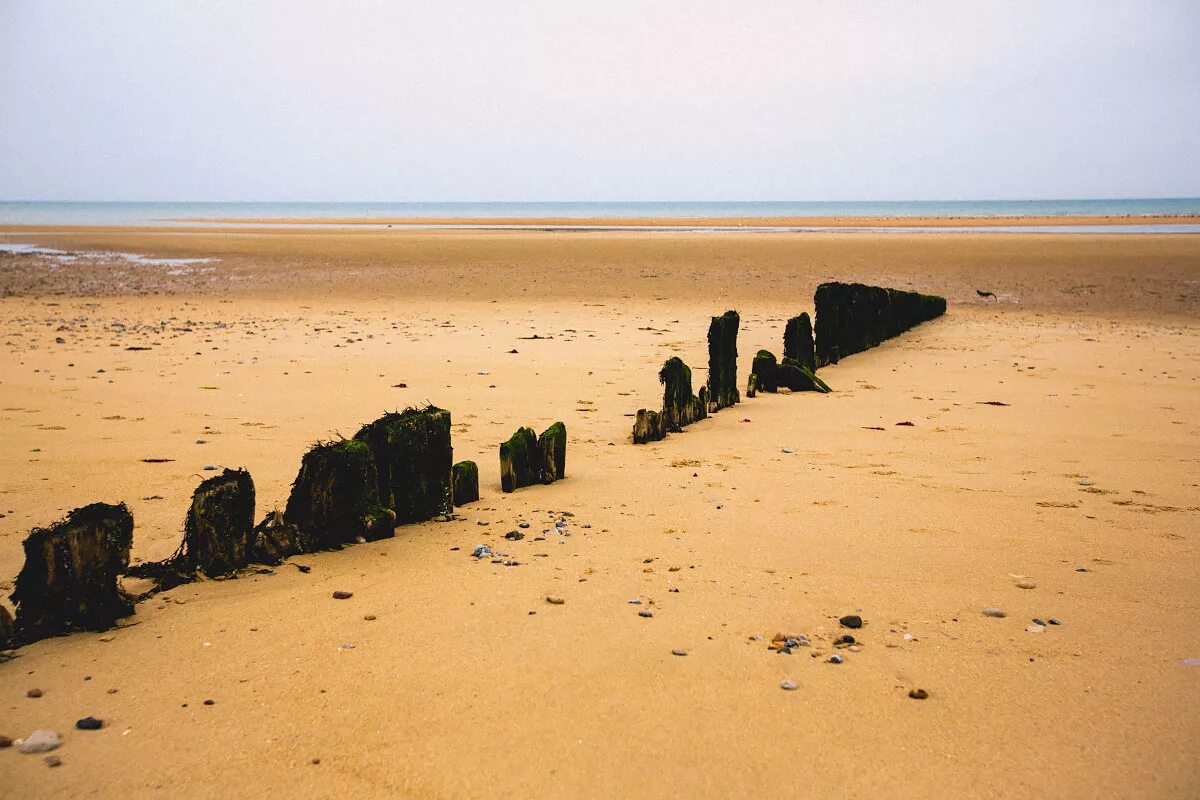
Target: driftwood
x=526 y=459
x=465 y=479
x=722 y=361
x=69 y=579
x=335 y=497
x=413 y=459
x=852 y=317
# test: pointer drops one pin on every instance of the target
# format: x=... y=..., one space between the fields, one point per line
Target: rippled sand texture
x=778 y=515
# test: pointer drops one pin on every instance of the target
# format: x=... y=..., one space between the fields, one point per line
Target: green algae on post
x=519 y=460
x=680 y=407
x=465 y=480
x=218 y=533
x=413 y=458
x=648 y=427
x=335 y=497
x=722 y=361
x=798 y=341
x=763 y=371
x=69 y=578
x=852 y=317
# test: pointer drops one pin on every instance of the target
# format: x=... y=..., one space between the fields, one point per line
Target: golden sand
x=467 y=683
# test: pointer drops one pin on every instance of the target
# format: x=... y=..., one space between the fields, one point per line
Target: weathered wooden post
x=520 y=459
x=798 y=341
x=69 y=579
x=722 y=361
x=553 y=445
x=335 y=497
x=465 y=478
x=275 y=540
x=218 y=534
x=413 y=458
x=763 y=369
x=852 y=317
x=680 y=407
x=648 y=427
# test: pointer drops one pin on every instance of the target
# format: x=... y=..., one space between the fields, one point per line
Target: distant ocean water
x=53 y=213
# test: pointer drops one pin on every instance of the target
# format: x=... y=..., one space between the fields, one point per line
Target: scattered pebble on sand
x=53 y=761
x=1026 y=584
x=340 y=595
x=678 y=652
x=89 y=724
x=34 y=693
x=554 y=601
x=646 y=614
x=40 y=741
x=994 y=612
x=852 y=621
x=918 y=694
x=836 y=658
x=789 y=685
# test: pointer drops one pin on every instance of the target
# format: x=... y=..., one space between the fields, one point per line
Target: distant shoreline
x=706 y=222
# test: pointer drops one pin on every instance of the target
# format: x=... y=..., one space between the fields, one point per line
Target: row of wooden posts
x=851 y=317
x=396 y=470
x=399 y=469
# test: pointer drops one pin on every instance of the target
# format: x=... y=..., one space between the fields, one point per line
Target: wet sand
x=1083 y=484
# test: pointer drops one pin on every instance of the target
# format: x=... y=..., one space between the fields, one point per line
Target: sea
x=161 y=213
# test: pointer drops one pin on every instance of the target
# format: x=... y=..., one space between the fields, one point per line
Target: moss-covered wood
x=413 y=458
x=796 y=377
x=526 y=459
x=648 y=427
x=852 y=317
x=335 y=497
x=680 y=407
x=764 y=368
x=465 y=478
x=218 y=534
x=275 y=540
x=553 y=444
x=722 y=361
x=798 y=342
x=69 y=579
x=520 y=461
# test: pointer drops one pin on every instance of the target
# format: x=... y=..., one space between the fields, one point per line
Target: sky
x=610 y=100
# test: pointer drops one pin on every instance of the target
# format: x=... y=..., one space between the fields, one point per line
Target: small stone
x=852 y=621
x=1086 y=482
x=789 y=686
x=106 y=638
x=836 y=659
x=646 y=614
x=523 y=525
x=1026 y=585
x=514 y=536
x=53 y=761
x=918 y=694
x=1037 y=621
x=678 y=652
x=481 y=551
x=369 y=617
x=787 y=450
x=34 y=693
x=89 y=724
x=1054 y=621
x=340 y=595
x=210 y=702
x=843 y=641
x=554 y=601
x=5 y=742
x=40 y=741
x=113 y=691
x=994 y=612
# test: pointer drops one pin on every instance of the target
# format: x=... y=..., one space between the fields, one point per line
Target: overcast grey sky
x=606 y=100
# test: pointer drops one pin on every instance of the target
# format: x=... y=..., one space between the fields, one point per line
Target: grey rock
x=994 y=612
x=40 y=741
x=789 y=686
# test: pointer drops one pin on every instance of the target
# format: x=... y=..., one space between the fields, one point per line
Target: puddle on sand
x=67 y=257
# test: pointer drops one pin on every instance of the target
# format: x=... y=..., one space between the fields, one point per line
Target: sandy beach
x=781 y=514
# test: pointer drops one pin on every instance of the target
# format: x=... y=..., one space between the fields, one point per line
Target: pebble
x=514 y=536
x=836 y=659
x=34 y=693
x=209 y=468
x=5 y=742
x=789 y=686
x=787 y=450
x=523 y=525
x=1026 y=585
x=1086 y=482
x=340 y=595
x=679 y=652
x=852 y=621
x=1053 y=621
x=994 y=612
x=554 y=601
x=53 y=761
x=481 y=551
x=40 y=741
x=646 y=614
x=918 y=694
x=369 y=617
x=214 y=702
x=89 y=724
x=346 y=646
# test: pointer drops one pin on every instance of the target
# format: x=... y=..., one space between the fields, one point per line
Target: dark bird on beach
x=982 y=293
